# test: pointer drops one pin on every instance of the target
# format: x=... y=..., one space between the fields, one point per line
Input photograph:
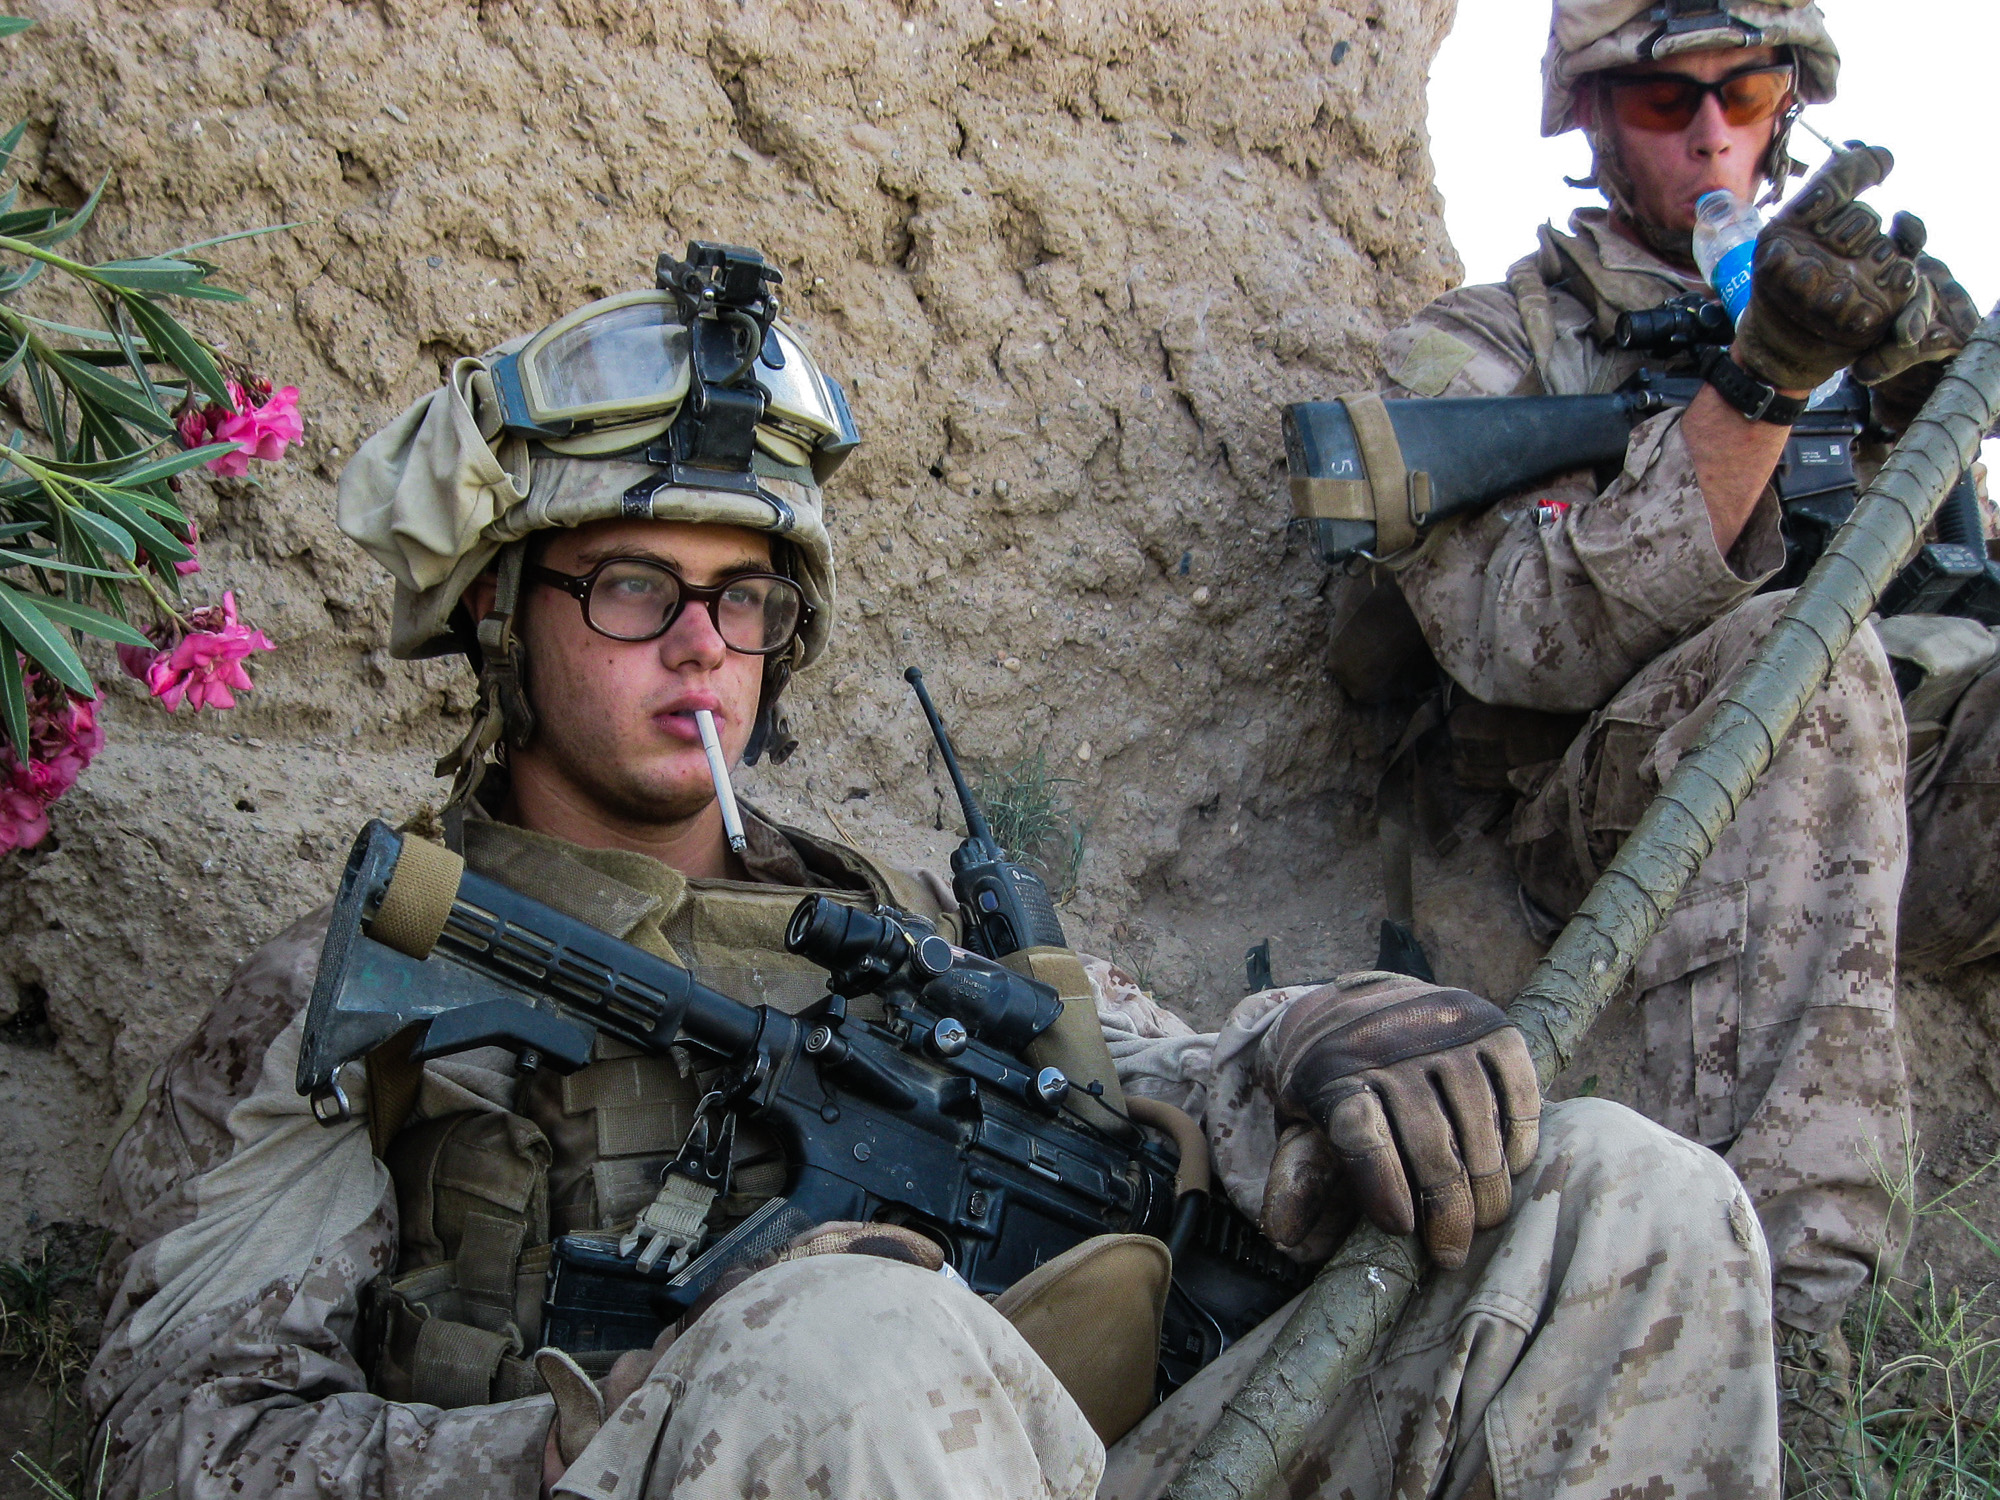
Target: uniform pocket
x=1689 y=985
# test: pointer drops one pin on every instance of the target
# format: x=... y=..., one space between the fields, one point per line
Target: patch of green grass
x=48 y=1334
x=1927 y=1362
x=1033 y=820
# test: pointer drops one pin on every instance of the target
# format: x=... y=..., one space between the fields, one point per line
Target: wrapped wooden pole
x=1349 y=1310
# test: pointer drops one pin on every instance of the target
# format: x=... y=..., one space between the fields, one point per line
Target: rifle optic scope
x=864 y=952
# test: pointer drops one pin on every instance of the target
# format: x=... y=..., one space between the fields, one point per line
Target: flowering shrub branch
x=88 y=521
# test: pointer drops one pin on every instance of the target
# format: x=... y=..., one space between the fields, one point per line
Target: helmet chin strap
x=502 y=710
x=771 y=734
x=1610 y=178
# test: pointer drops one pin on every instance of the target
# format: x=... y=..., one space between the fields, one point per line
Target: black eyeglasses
x=637 y=599
x=1670 y=101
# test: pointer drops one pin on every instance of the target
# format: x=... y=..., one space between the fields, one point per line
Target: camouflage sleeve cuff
x=1649 y=547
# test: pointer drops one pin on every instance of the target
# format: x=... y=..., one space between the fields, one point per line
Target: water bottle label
x=1732 y=278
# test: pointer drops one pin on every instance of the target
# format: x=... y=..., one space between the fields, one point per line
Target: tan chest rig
x=482 y=1191
x=1459 y=761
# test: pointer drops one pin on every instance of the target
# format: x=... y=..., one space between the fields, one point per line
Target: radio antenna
x=975 y=820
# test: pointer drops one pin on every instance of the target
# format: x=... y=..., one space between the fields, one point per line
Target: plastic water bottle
x=1725 y=239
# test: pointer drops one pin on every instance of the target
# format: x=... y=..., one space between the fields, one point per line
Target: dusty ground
x=1068 y=261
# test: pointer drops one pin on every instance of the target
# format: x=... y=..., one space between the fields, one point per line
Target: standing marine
x=621 y=537
x=1585 y=627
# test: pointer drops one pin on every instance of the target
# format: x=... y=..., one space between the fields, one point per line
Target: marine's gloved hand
x=1426 y=1096
x=1942 y=317
x=1829 y=288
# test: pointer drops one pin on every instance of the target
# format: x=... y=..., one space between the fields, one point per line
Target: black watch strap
x=1757 y=401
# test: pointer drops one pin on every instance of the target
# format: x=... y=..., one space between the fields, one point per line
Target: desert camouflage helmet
x=691 y=402
x=1593 y=36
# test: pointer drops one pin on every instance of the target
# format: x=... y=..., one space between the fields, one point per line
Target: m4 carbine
x=914 y=1108
x=1362 y=468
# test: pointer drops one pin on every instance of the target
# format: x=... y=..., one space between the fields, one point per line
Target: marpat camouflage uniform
x=1613 y=1338
x=1768 y=999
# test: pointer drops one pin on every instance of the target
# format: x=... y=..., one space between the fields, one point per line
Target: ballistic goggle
x=699 y=373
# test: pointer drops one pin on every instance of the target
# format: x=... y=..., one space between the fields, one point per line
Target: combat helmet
x=688 y=402
x=1596 y=36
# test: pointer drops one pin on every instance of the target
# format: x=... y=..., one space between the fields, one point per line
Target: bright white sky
x=1910 y=79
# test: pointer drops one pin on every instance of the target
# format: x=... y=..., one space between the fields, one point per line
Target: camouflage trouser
x=1613 y=1334
x=1951 y=904
x=1768 y=999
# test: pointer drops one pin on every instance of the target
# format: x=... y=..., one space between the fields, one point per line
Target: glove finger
x=1955 y=306
x=1909 y=233
x=1506 y=1056
x=1304 y=1175
x=1854 y=230
x=1838 y=183
x=1359 y=1130
x=1424 y=1132
x=1914 y=321
x=1461 y=1081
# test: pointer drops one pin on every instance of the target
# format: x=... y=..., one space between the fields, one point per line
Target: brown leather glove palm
x=1404 y=1081
x=1830 y=289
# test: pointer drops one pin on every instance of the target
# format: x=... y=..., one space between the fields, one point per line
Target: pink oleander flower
x=204 y=667
x=63 y=738
x=193 y=564
x=264 y=422
x=264 y=430
x=193 y=424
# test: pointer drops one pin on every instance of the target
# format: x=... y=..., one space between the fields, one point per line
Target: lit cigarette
x=732 y=821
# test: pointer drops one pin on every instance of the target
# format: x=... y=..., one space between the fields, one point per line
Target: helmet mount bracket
x=1692 y=19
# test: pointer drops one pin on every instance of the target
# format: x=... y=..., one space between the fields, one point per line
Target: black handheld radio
x=1006 y=905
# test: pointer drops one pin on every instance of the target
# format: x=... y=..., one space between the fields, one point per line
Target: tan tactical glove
x=1830 y=289
x=1409 y=1081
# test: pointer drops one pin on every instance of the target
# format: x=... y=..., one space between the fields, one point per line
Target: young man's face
x=1671 y=169
x=615 y=725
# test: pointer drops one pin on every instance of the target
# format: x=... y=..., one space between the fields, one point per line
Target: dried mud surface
x=1068 y=260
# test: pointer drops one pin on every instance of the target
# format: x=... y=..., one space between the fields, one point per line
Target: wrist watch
x=1757 y=401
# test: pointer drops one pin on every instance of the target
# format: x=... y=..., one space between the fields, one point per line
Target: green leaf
x=13 y=363
x=54 y=420
x=107 y=440
x=14 y=25
x=13 y=697
x=75 y=542
x=225 y=239
x=70 y=225
x=10 y=141
x=131 y=507
x=12 y=559
x=133 y=360
x=203 y=291
x=174 y=342
x=42 y=640
x=114 y=395
x=172 y=464
x=70 y=330
x=21 y=220
x=89 y=621
x=11 y=284
x=107 y=534
x=153 y=273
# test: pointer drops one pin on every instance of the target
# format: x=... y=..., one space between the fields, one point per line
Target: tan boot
x=1819 y=1422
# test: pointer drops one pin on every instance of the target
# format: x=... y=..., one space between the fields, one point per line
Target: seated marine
x=619 y=524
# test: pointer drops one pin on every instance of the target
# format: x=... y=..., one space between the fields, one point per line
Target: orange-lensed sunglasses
x=1670 y=101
